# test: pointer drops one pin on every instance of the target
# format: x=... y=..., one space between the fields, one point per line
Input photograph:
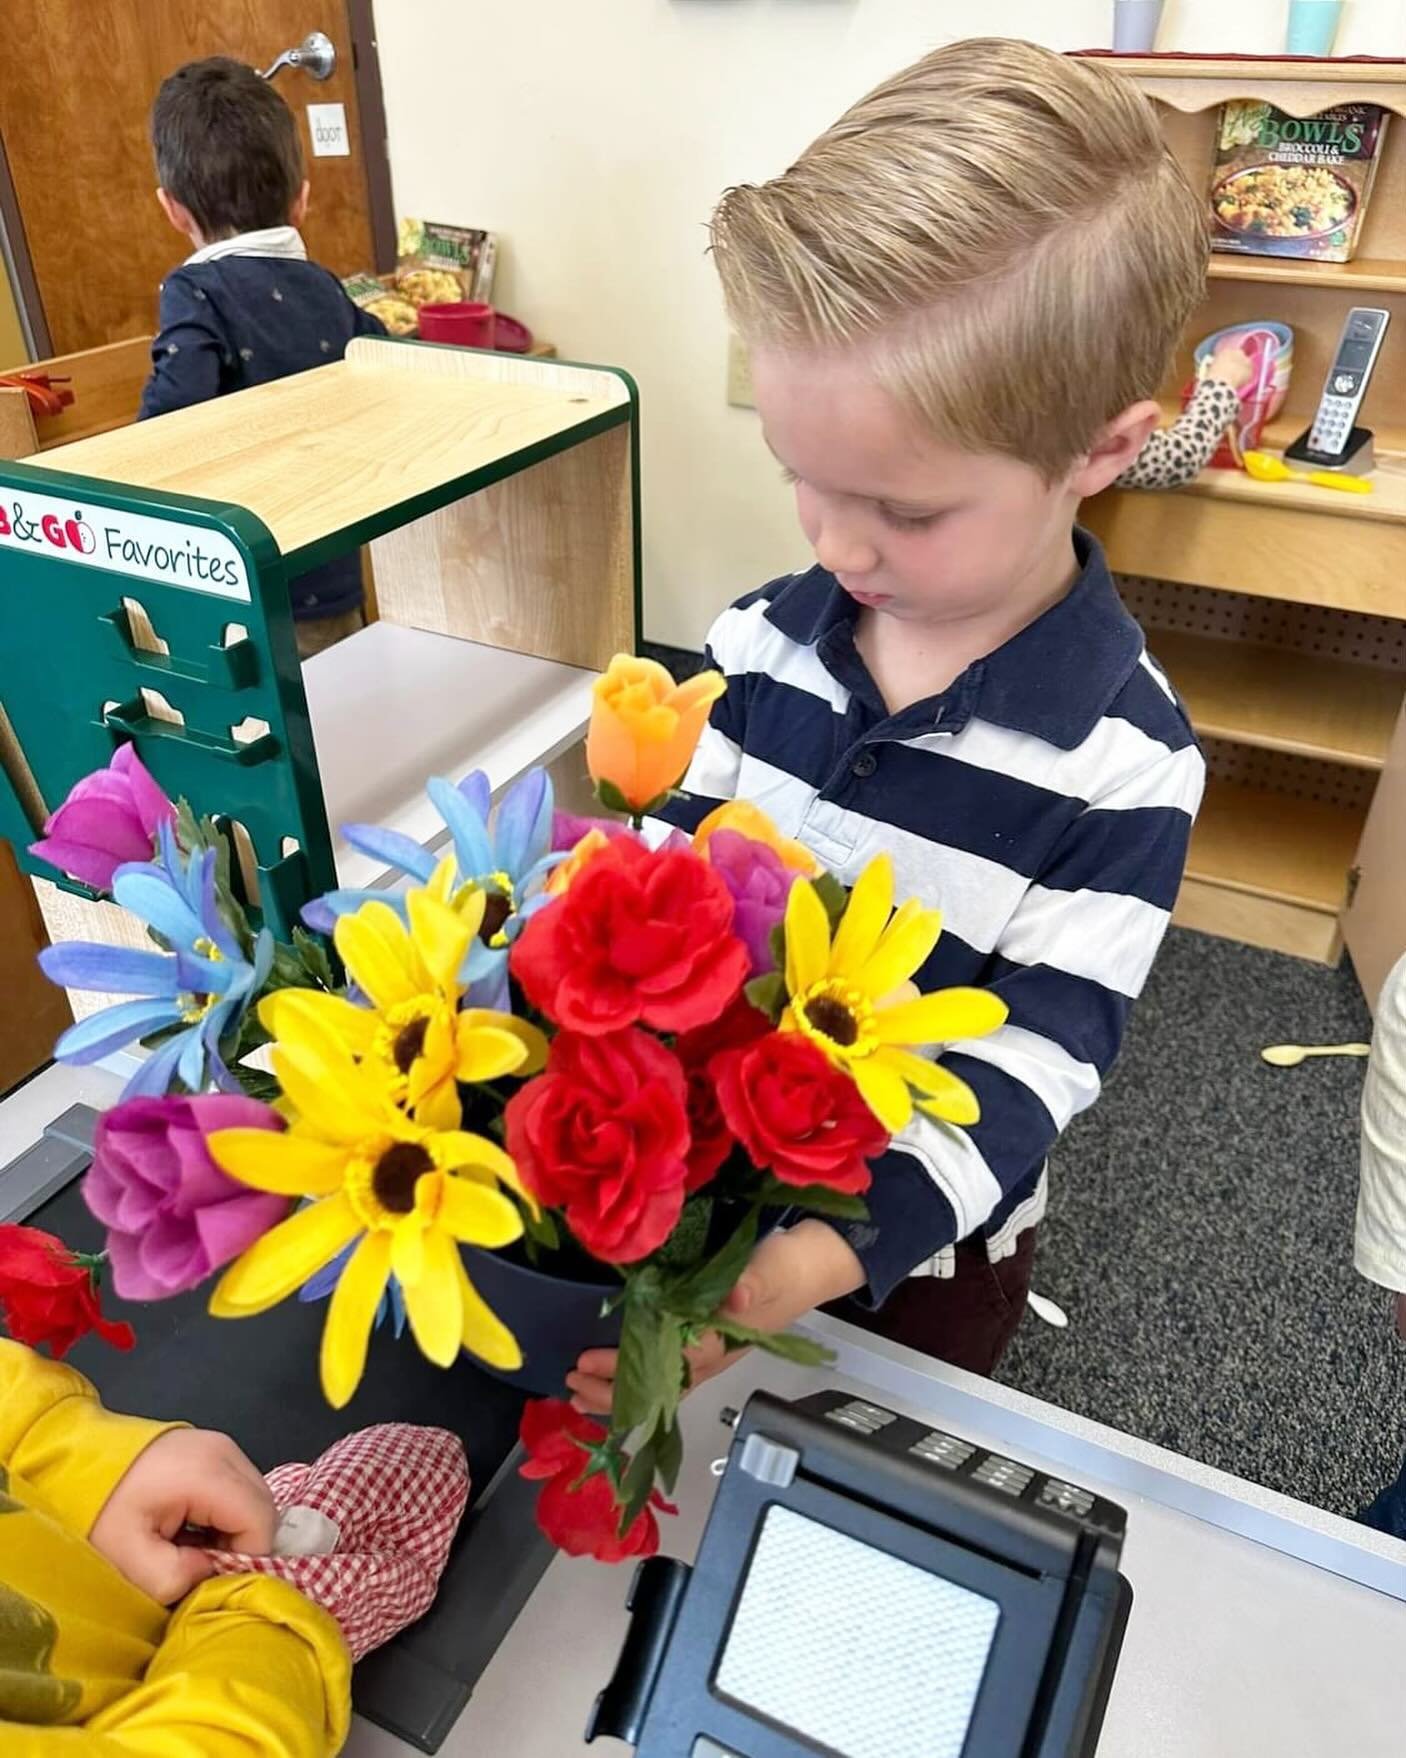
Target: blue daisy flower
x=506 y=853
x=203 y=985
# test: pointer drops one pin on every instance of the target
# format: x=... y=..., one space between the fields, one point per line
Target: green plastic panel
x=73 y=686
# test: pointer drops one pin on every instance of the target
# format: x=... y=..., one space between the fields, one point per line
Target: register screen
x=853 y=1648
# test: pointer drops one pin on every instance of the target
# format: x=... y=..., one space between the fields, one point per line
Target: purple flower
x=760 y=882
x=568 y=828
x=109 y=818
x=173 y=1216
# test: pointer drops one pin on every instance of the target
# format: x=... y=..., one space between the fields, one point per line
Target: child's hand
x=1232 y=366
x=187 y=1477
x=789 y=1274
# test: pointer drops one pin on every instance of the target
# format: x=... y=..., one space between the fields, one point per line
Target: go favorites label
x=124 y=543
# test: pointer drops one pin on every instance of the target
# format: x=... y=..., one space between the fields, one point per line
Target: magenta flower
x=173 y=1216
x=109 y=818
x=760 y=882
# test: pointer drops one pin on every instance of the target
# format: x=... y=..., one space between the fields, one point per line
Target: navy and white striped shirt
x=1043 y=802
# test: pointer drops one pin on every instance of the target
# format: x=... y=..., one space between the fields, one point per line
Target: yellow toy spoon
x=1265 y=467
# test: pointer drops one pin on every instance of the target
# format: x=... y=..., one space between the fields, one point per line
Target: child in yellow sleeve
x=91 y=1659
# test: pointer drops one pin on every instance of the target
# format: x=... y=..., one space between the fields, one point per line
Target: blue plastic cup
x=1313 y=26
x=1135 y=25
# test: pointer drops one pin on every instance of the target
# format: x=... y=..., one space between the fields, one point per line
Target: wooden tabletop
x=326 y=450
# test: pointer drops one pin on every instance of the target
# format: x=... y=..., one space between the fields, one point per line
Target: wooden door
x=77 y=78
x=1374 y=923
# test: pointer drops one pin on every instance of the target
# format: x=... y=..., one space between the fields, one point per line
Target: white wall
x=595 y=135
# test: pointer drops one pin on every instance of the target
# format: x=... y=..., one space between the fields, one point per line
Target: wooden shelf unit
x=1265 y=861
x=1267 y=866
x=1364 y=274
x=1274 y=699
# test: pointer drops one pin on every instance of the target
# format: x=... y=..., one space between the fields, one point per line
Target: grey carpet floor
x=1200 y=1233
x=1200 y=1237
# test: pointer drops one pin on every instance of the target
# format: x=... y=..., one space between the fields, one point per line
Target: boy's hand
x=188 y=1477
x=789 y=1274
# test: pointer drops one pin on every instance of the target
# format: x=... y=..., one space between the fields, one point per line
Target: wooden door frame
x=15 y=258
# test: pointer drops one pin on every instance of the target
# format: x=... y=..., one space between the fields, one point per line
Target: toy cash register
x=868 y=1587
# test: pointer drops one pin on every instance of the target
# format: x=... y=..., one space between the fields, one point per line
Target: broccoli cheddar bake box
x=1294 y=185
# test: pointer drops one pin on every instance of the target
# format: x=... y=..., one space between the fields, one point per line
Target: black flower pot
x=554 y=1317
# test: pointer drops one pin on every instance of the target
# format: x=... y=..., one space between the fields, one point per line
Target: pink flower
x=109 y=818
x=760 y=882
x=173 y=1216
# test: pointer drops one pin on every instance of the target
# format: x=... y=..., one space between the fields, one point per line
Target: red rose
x=603 y=1135
x=641 y=935
x=47 y=1295
x=711 y=1138
x=583 y=1519
x=793 y=1111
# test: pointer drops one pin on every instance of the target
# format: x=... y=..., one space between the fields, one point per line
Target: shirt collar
x=284 y=241
x=1055 y=679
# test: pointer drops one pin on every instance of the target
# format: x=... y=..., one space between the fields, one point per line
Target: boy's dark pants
x=966 y=1319
x=1388 y=1512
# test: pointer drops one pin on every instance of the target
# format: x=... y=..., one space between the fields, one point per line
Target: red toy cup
x=468 y=324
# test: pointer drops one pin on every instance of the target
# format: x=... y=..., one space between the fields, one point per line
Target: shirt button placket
x=864 y=765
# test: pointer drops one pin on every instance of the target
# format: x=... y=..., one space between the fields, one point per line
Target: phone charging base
x=1357 y=458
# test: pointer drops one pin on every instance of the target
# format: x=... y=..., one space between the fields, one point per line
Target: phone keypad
x=1332 y=426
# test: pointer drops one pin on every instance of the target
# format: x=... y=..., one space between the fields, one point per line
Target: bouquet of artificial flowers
x=554 y=1040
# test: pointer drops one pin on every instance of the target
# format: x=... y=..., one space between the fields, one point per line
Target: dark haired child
x=247 y=306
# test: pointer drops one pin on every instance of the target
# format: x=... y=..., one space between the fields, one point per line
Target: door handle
x=316 y=55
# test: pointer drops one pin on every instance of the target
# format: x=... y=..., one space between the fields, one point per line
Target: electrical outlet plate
x=739 y=375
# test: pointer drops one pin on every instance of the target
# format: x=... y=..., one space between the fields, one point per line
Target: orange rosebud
x=644 y=728
x=561 y=876
x=750 y=821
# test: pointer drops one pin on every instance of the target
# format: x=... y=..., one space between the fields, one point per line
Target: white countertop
x=1234 y=1649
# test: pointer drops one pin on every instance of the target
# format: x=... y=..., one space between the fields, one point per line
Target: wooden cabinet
x=1279 y=609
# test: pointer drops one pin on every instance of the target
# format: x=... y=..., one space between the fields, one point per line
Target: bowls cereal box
x=1293 y=185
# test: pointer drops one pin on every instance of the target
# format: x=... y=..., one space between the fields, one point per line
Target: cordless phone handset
x=1335 y=422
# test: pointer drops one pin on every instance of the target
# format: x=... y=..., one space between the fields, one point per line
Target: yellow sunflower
x=414 y=1032
x=408 y=1193
x=854 y=998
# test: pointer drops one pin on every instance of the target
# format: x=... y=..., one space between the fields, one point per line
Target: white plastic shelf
x=392 y=706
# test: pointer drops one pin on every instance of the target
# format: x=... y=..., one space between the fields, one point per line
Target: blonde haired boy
x=960 y=302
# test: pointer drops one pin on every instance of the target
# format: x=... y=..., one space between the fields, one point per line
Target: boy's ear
x=180 y=216
x=299 y=210
x=1116 y=449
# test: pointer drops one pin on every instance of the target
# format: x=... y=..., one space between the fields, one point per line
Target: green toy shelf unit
x=144 y=596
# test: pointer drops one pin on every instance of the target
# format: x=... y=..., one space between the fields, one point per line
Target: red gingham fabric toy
x=395 y=1495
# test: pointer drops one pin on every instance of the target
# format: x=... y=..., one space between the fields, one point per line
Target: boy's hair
x=226 y=147
x=1004 y=232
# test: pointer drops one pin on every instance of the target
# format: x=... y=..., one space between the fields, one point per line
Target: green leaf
x=541 y=1228
x=612 y=799
x=649 y=1373
x=804 y=1350
x=256 y=1084
x=833 y=895
x=637 y=1486
x=768 y=994
x=189 y=836
x=684 y=1246
x=698 y=1295
x=818 y=1198
x=668 y=1456
x=313 y=952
